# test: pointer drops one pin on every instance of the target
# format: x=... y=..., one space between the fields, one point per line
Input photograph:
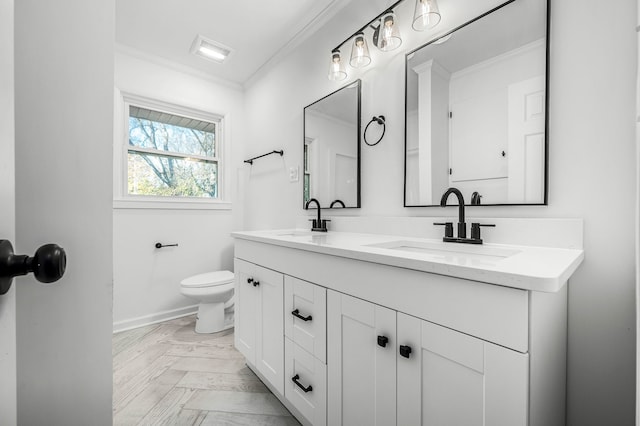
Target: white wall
x=147 y=280
x=64 y=130
x=7 y=214
x=592 y=174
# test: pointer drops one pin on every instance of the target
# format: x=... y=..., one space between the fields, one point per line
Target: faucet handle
x=314 y=223
x=475 y=229
x=324 y=223
x=448 y=228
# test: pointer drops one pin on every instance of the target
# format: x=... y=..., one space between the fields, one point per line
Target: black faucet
x=317 y=224
x=462 y=226
x=334 y=202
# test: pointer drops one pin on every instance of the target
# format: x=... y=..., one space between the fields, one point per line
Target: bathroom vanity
x=350 y=329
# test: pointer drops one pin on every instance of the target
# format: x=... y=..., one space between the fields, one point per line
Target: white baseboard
x=157 y=317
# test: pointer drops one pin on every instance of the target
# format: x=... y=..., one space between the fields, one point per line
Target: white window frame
x=124 y=200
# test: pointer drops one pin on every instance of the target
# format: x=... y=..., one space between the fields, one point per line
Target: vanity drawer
x=305 y=316
x=305 y=383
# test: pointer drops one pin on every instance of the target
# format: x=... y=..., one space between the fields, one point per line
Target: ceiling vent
x=210 y=50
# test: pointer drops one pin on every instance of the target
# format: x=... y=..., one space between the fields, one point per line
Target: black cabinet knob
x=48 y=264
x=405 y=351
x=382 y=341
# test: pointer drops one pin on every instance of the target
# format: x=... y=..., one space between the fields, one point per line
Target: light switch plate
x=294 y=174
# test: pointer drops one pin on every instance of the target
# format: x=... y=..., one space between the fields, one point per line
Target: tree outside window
x=171 y=156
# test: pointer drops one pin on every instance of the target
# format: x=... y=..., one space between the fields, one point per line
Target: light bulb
x=336 y=67
x=389 y=35
x=359 y=52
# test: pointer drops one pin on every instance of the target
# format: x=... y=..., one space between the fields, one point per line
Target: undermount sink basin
x=296 y=233
x=476 y=252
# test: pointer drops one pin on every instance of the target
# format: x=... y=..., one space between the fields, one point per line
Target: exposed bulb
x=336 y=68
x=389 y=35
x=359 y=52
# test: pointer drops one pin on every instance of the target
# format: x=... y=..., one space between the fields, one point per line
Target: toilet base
x=213 y=317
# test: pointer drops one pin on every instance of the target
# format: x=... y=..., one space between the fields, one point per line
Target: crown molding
x=166 y=63
x=306 y=31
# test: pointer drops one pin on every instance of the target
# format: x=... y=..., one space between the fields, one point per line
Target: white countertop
x=523 y=267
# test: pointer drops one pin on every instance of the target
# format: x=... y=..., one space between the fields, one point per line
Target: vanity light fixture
x=386 y=36
x=360 y=56
x=426 y=15
x=209 y=49
x=336 y=67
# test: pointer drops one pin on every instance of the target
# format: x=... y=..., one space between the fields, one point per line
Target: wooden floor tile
x=222 y=381
x=235 y=419
x=237 y=402
x=167 y=374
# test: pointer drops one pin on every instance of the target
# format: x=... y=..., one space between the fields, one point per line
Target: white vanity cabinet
x=259 y=326
x=383 y=344
x=449 y=378
x=361 y=362
x=389 y=368
x=305 y=310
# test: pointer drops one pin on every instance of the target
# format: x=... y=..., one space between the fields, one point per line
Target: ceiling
x=257 y=31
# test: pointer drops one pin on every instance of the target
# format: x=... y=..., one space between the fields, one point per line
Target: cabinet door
x=450 y=378
x=361 y=373
x=246 y=305
x=270 y=326
x=305 y=316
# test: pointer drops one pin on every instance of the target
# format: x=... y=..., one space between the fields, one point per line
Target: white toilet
x=214 y=291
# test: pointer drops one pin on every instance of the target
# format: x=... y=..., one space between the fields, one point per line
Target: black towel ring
x=379 y=120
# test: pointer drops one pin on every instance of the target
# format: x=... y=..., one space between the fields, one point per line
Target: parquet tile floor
x=167 y=374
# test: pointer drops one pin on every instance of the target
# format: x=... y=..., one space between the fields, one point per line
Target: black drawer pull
x=405 y=351
x=300 y=385
x=296 y=314
x=382 y=341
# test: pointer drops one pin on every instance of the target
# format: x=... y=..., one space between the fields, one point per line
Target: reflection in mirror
x=476 y=111
x=332 y=149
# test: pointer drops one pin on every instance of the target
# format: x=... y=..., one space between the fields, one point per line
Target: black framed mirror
x=331 y=162
x=476 y=110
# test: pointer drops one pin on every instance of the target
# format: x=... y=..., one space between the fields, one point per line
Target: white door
x=270 y=332
x=451 y=379
x=245 y=310
x=7 y=219
x=361 y=374
x=526 y=157
x=259 y=320
x=479 y=137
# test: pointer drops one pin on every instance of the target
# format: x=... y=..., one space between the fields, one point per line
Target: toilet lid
x=208 y=279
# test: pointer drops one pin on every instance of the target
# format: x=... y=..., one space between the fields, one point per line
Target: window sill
x=171 y=204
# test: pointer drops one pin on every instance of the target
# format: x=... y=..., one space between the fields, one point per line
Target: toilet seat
x=208 y=279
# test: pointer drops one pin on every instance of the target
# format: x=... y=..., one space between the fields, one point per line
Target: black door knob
x=48 y=264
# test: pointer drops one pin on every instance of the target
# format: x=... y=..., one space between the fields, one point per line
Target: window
x=171 y=154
